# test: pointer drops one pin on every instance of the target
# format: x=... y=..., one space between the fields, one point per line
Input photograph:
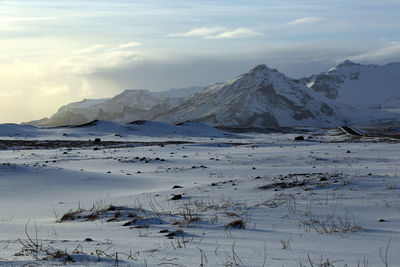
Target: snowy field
x=219 y=200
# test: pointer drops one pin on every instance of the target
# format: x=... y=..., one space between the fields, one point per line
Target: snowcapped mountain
x=368 y=86
x=263 y=97
x=130 y=105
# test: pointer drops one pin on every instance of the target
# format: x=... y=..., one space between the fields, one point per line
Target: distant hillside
x=130 y=105
x=368 y=86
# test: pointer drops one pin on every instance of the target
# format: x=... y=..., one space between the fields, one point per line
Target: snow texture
x=245 y=200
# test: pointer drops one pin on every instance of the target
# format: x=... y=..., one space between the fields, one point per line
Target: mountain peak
x=256 y=75
x=344 y=66
x=347 y=62
x=261 y=67
x=134 y=91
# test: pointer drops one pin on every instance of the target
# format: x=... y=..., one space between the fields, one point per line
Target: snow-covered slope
x=128 y=106
x=269 y=201
x=368 y=86
x=13 y=130
x=392 y=103
x=111 y=131
x=144 y=128
x=263 y=97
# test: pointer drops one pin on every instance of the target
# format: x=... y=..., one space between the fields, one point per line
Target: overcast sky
x=56 y=52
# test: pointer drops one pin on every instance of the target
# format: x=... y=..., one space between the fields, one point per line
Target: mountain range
x=263 y=97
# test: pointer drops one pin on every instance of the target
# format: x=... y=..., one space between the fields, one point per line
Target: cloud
x=129 y=45
x=96 y=58
x=237 y=33
x=34 y=86
x=199 y=32
x=217 y=33
x=304 y=20
x=390 y=52
x=88 y=50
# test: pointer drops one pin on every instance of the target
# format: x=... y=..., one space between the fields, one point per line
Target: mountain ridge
x=266 y=98
x=366 y=86
x=261 y=97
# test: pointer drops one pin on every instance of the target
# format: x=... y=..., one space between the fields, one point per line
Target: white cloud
x=199 y=32
x=237 y=33
x=217 y=33
x=129 y=45
x=96 y=57
x=88 y=50
x=389 y=53
x=34 y=87
x=304 y=20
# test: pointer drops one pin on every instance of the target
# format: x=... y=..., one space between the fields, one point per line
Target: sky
x=53 y=52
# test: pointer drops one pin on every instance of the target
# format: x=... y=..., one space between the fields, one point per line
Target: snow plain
x=241 y=200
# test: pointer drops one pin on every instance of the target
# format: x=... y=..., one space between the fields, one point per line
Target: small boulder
x=176 y=197
x=299 y=138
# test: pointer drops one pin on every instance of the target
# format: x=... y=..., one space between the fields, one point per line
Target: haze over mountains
x=263 y=97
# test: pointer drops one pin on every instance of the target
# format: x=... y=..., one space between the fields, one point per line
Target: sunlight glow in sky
x=56 y=52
